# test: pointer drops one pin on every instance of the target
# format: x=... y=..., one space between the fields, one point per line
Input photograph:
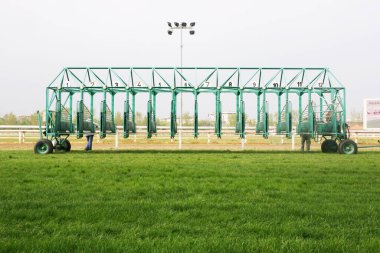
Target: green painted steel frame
x=128 y=80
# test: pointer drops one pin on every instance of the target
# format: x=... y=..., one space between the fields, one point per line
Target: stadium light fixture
x=170 y=32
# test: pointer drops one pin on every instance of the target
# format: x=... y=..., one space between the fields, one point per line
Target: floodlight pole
x=181 y=26
x=180 y=113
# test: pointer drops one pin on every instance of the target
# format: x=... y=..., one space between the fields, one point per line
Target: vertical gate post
x=133 y=112
x=265 y=116
x=218 y=116
x=238 y=123
x=154 y=112
x=149 y=127
x=113 y=111
x=288 y=116
x=126 y=116
x=278 y=128
x=71 y=126
x=173 y=115
x=258 y=120
x=310 y=116
x=242 y=117
x=333 y=112
x=93 y=130
x=299 y=112
x=195 y=114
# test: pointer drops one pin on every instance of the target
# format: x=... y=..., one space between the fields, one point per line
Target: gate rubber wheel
x=66 y=145
x=43 y=147
x=348 y=147
x=329 y=146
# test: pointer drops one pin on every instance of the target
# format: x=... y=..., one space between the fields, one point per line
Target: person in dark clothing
x=305 y=138
x=89 y=137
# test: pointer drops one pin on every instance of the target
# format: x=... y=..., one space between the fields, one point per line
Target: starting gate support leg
x=39 y=124
x=288 y=117
x=126 y=116
x=242 y=118
x=265 y=116
x=218 y=110
x=79 y=122
x=299 y=112
x=80 y=119
x=71 y=127
x=133 y=112
x=258 y=113
x=238 y=123
x=154 y=112
x=47 y=112
x=344 y=115
x=310 y=116
x=333 y=112
x=58 y=112
x=113 y=113
x=92 y=113
x=173 y=116
x=103 y=116
x=195 y=114
x=321 y=106
x=278 y=128
x=149 y=127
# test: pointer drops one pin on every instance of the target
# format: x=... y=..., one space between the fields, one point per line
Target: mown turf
x=189 y=202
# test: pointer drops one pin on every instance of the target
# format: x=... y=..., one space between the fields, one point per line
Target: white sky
x=38 y=38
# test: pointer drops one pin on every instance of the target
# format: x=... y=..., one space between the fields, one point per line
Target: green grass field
x=150 y=201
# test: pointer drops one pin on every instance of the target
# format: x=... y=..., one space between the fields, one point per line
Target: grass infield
x=190 y=201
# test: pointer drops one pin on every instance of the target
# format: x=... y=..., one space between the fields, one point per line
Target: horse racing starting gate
x=320 y=100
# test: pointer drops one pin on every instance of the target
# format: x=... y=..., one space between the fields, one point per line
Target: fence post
x=116 y=139
x=293 y=141
x=19 y=136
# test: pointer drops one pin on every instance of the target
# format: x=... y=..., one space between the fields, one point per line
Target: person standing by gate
x=305 y=138
x=89 y=137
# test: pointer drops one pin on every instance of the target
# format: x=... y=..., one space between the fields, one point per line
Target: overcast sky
x=39 y=38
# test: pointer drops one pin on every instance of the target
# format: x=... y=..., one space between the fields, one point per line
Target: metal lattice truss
x=310 y=82
x=138 y=79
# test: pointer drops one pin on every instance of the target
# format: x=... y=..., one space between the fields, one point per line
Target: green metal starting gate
x=322 y=116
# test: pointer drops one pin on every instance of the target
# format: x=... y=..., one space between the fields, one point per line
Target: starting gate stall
x=85 y=120
x=107 y=122
x=307 y=122
x=240 y=115
x=262 y=125
x=129 y=124
x=284 y=124
x=324 y=118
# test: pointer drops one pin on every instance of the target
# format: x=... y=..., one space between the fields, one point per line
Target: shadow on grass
x=150 y=151
x=155 y=151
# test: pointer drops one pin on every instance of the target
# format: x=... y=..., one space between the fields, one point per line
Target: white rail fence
x=21 y=133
